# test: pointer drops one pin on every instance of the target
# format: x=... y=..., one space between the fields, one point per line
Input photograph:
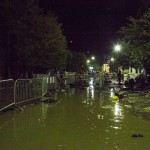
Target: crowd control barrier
x=48 y=83
x=82 y=77
x=99 y=81
x=24 y=90
x=6 y=93
x=27 y=89
x=71 y=77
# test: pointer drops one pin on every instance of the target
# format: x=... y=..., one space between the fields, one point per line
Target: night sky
x=92 y=25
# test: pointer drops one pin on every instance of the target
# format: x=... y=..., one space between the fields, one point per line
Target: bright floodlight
x=93 y=58
x=112 y=59
x=117 y=48
x=88 y=61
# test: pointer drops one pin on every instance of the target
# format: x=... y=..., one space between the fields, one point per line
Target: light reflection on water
x=81 y=119
x=118 y=112
x=111 y=92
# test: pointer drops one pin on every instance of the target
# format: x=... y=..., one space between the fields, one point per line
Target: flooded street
x=81 y=119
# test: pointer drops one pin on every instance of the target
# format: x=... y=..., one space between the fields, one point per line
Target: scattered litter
x=137 y=135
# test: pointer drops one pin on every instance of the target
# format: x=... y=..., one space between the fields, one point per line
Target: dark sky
x=92 y=25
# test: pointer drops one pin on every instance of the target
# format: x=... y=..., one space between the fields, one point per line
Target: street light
x=88 y=61
x=112 y=59
x=93 y=58
x=117 y=48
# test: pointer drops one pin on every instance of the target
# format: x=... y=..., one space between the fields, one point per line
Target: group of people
x=132 y=83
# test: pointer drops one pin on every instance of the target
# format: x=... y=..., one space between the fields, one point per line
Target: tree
x=52 y=53
x=76 y=61
x=30 y=40
x=129 y=56
x=136 y=35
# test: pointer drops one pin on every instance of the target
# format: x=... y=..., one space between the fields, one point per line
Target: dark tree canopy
x=76 y=61
x=30 y=40
x=136 y=43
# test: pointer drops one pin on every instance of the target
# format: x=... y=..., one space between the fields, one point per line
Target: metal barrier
x=48 y=83
x=27 y=89
x=71 y=77
x=52 y=82
x=6 y=93
x=44 y=85
x=82 y=77
x=23 y=90
x=99 y=82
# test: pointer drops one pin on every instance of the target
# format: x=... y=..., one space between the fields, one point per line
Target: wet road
x=81 y=119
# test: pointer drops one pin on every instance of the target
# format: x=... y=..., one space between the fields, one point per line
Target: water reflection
x=72 y=124
x=44 y=111
x=111 y=92
x=118 y=110
x=90 y=94
x=118 y=113
x=90 y=90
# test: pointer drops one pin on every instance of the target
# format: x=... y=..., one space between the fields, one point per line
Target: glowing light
x=111 y=92
x=118 y=111
x=90 y=93
x=91 y=82
x=88 y=61
x=117 y=48
x=93 y=58
x=90 y=68
x=112 y=59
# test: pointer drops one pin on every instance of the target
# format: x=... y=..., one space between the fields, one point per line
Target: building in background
x=106 y=68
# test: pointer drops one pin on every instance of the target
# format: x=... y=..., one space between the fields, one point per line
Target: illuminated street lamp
x=112 y=59
x=117 y=48
x=88 y=61
x=93 y=58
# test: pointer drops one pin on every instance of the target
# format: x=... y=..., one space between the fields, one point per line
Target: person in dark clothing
x=131 y=84
x=119 y=76
x=122 y=77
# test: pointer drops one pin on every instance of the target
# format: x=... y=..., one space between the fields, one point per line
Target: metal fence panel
x=82 y=77
x=27 y=89
x=44 y=85
x=6 y=93
x=99 y=82
x=71 y=77
x=52 y=82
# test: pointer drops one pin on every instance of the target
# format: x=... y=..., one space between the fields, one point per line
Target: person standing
x=119 y=76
